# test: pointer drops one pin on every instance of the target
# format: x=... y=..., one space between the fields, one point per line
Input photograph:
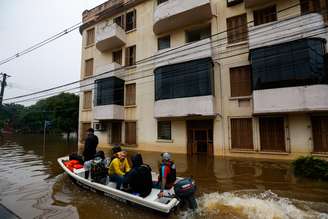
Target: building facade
x=244 y=78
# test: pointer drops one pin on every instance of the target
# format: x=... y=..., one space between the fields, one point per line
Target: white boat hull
x=165 y=204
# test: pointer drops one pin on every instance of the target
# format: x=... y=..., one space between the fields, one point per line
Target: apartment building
x=244 y=78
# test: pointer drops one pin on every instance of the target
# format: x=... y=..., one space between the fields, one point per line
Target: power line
x=140 y=61
x=40 y=44
x=149 y=75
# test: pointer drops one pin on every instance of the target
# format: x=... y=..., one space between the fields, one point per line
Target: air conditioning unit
x=98 y=126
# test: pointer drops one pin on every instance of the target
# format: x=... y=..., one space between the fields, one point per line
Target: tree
x=61 y=109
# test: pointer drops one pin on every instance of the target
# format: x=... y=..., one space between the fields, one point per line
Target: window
x=130 y=20
x=84 y=129
x=295 y=63
x=164 y=130
x=272 y=134
x=117 y=57
x=240 y=81
x=119 y=21
x=241 y=133
x=130 y=133
x=320 y=133
x=90 y=36
x=109 y=91
x=130 y=56
x=237 y=28
x=187 y=79
x=265 y=15
x=88 y=70
x=164 y=42
x=198 y=34
x=233 y=2
x=127 y=21
x=161 y=1
x=130 y=95
x=309 y=6
x=87 y=99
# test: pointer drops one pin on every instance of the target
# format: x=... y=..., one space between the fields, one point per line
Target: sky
x=24 y=23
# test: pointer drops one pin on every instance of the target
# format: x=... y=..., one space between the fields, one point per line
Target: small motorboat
x=164 y=204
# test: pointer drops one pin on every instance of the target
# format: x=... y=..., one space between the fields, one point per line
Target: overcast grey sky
x=26 y=22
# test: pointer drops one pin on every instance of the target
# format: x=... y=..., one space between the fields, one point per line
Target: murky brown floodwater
x=33 y=186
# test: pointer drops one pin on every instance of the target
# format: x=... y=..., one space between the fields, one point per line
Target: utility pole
x=3 y=85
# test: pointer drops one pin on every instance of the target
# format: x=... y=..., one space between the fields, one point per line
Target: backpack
x=98 y=171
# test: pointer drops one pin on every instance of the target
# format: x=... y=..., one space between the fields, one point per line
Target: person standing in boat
x=167 y=173
x=90 y=145
x=118 y=167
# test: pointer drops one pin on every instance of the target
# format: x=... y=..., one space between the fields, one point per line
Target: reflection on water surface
x=33 y=186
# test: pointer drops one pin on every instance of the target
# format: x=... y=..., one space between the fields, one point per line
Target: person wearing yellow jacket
x=118 y=168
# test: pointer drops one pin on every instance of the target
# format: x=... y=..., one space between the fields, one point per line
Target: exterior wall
x=225 y=56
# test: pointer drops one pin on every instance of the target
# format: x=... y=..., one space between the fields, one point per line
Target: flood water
x=33 y=186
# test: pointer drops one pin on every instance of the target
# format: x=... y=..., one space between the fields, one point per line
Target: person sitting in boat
x=139 y=179
x=90 y=145
x=115 y=150
x=167 y=173
x=118 y=167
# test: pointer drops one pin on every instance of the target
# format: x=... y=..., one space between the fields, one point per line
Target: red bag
x=78 y=166
x=74 y=162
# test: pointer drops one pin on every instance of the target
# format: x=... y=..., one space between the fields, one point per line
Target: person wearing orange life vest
x=167 y=173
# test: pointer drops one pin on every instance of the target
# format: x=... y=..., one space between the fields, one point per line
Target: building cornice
x=106 y=10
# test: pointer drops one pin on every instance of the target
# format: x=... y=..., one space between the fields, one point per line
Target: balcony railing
x=109 y=70
x=175 y=14
x=109 y=36
x=182 y=107
x=291 y=99
x=108 y=112
x=287 y=30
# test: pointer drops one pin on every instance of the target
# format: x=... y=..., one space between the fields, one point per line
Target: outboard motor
x=185 y=190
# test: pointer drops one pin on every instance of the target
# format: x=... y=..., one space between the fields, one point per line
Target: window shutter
x=134 y=50
x=88 y=67
x=272 y=134
x=130 y=133
x=130 y=94
x=127 y=55
x=320 y=133
x=87 y=99
x=240 y=81
x=237 y=28
x=134 y=18
x=241 y=133
x=90 y=36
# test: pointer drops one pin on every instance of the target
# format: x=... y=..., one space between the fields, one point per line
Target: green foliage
x=62 y=110
x=311 y=167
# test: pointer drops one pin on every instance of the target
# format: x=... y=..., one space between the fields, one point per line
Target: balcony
x=181 y=107
x=288 y=30
x=175 y=14
x=108 y=112
x=109 y=99
x=291 y=99
x=109 y=36
x=193 y=51
x=109 y=70
x=253 y=3
x=184 y=89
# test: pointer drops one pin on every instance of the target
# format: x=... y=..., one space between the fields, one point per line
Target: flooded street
x=33 y=186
